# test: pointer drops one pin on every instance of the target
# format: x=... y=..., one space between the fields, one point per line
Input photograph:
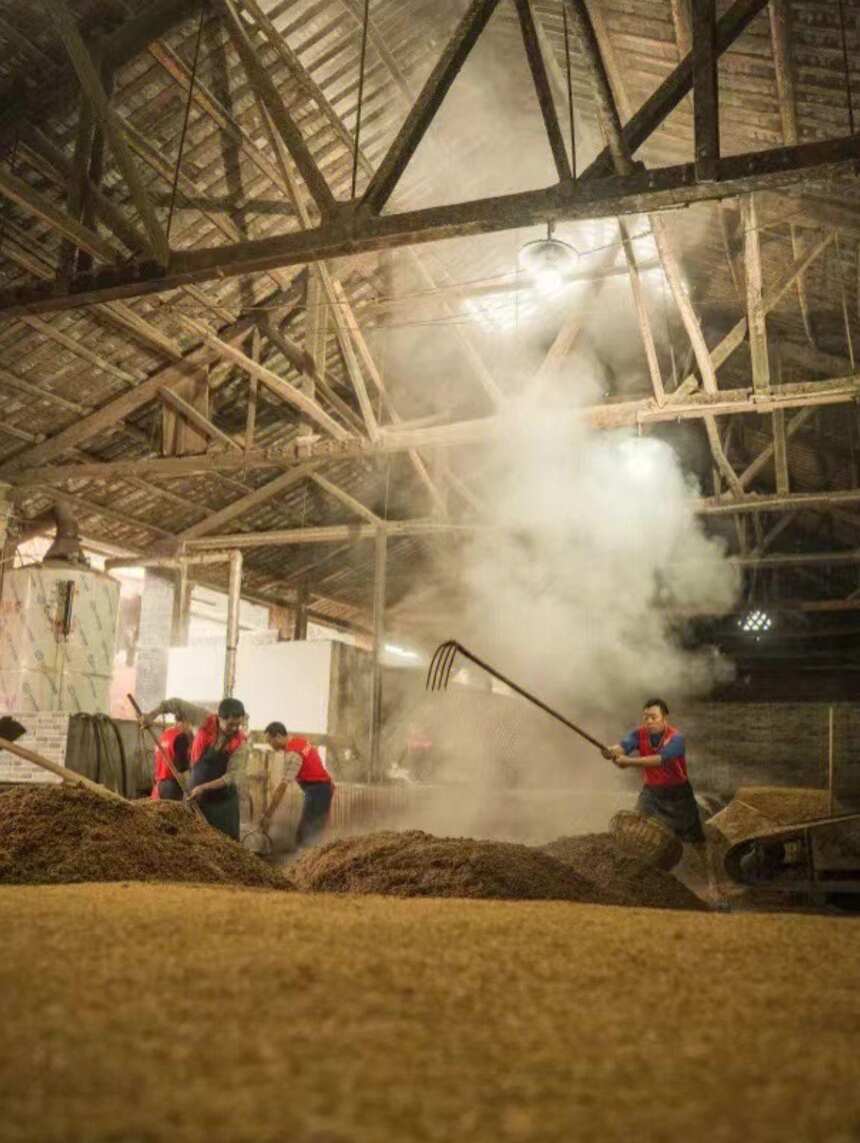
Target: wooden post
x=830 y=757
x=233 y=601
x=181 y=602
x=379 y=571
x=300 y=625
x=706 y=119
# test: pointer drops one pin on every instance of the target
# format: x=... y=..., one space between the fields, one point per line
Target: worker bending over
x=217 y=757
x=303 y=763
x=658 y=749
x=174 y=744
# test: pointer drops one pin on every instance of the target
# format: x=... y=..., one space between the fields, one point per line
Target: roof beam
x=641 y=412
x=195 y=418
x=706 y=108
x=23 y=195
x=262 y=83
x=436 y=87
x=542 y=89
x=675 y=87
x=348 y=501
x=355 y=232
x=92 y=86
x=756 y=326
x=247 y=503
x=277 y=385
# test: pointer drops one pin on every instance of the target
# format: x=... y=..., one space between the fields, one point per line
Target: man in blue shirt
x=658 y=749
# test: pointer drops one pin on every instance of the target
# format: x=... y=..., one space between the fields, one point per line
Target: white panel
x=284 y=681
x=42 y=669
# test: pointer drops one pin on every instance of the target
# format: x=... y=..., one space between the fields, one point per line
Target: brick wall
x=46 y=734
x=735 y=744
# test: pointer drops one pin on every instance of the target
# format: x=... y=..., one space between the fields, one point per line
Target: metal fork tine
x=450 y=663
x=433 y=669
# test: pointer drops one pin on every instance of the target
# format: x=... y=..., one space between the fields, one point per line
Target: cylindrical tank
x=58 y=625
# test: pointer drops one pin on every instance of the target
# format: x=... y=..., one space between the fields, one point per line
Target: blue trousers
x=315 y=811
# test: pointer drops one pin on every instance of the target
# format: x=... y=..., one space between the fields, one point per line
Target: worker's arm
x=619 y=752
x=674 y=748
x=181 y=710
x=292 y=765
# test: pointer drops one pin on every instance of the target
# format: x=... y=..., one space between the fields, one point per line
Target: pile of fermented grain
x=51 y=834
x=621 y=880
x=415 y=864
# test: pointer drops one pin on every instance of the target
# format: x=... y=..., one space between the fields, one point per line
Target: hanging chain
x=186 y=118
x=360 y=95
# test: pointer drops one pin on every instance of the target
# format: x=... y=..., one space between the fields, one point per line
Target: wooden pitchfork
x=439 y=675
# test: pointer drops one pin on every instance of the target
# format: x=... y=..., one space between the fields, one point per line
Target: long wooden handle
x=271 y=808
x=63 y=772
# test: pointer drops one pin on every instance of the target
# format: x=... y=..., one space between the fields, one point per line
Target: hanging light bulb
x=548 y=261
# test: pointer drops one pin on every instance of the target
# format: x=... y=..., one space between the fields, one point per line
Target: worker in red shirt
x=217 y=757
x=658 y=750
x=174 y=743
x=302 y=763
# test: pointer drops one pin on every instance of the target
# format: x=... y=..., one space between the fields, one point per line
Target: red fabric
x=167 y=742
x=207 y=736
x=312 y=768
x=671 y=773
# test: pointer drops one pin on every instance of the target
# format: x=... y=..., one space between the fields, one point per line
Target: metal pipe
x=233 y=601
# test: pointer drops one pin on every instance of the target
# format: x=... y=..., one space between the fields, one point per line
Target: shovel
x=258 y=840
x=186 y=801
x=68 y=776
x=11 y=729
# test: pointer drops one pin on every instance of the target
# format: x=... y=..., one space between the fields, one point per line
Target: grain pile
x=55 y=834
x=621 y=880
x=416 y=864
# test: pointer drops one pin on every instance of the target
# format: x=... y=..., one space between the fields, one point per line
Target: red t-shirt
x=167 y=743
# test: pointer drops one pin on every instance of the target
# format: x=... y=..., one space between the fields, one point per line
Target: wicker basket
x=646 y=839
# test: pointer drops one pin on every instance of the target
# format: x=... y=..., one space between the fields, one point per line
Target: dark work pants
x=315 y=811
x=169 y=790
x=221 y=810
x=675 y=807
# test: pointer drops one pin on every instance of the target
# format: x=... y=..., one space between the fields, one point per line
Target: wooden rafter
x=756 y=327
x=270 y=96
x=613 y=415
x=542 y=89
x=436 y=87
x=706 y=108
x=92 y=86
x=195 y=419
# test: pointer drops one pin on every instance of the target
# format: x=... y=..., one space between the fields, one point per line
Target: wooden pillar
x=233 y=601
x=7 y=539
x=181 y=606
x=300 y=623
x=706 y=118
x=379 y=571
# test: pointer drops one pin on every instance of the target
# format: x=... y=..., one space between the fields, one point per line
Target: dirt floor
x=145 y=1013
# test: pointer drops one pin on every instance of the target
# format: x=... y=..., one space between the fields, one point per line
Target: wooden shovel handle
x=195 y=809
x=63 y=772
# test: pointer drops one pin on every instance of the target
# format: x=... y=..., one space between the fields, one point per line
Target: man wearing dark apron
x=658 y=750
x=217 y=766
x=303 y=762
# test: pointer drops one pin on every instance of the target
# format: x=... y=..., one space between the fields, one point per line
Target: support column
x=7 y=538
x=378 y=644
x=153 y=642
x=300 y=623
x=181 y=606
x=233 y=600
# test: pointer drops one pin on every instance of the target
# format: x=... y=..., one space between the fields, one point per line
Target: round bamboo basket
x=646 y=839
